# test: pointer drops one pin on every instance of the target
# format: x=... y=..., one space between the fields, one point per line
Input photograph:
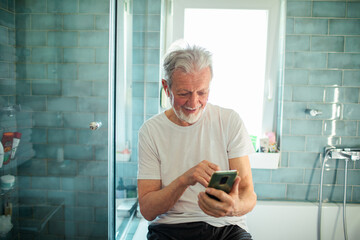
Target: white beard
x=191 y=118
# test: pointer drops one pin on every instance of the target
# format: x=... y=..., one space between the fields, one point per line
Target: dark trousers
x=196 y=230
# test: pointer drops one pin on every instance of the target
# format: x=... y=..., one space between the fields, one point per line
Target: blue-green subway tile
x=261 y=175
x=78 y=22
x=100 y=184
x=7 y=19
x=65 y=136
x=78 y=120
x=340 y=128
x=32 y=196
x=138 y=73
x=31 y=38
x=351 y=141
x=138 y=120
x=327 y=44
x=138 y=105
x=293 y=143
x=103 y=118
x=311 y=26
x=92 y=137
x=294 y=110
x=62 y=197
x=93 y=72
x=80 y=214
x=308 y=94
x=154 y=7
x=23 y=21
x=30 y=6
x=101 y=215
x=287 y=175
x=102 y=22
x=47 y=55
x=352 y=44
x=12 y=37
x=32 y=166
x=351 y=111
x=138 y=89
x=304 y=160
x=23 y=54
x=78 y=152
x=77 y=88
x=317 y=144
x=94 y=39
x=152 y=105
x=351 y=78
x=153 y=23
x=153 y=73
x=101 y=153
x=353 y=177
x=270 y=191
x=325 y=77
x=296 y=76
x=62 y=38
x=344 y=26
x=138 y=56
x=56 y=226
x=47 y=119
x=62 y=71
x=94 y=6
x=24 y=119
x=298 y=9
x=64 y=6
x=93 y=168
x=76 y=183
x=329 y=9
x=344 y=60
x=138 y=39
x=66 y=104
x=4 y=70
x=31 y=71
x=342 y=95
x=98 y=230
x=46 y=87
x=45 y=182
x=306 y=127
x=46 y=150
x=356 y=194
x=302 y=192
x=7 y=53
x=286 y=126
x=328 y=111
x=336 y=193
x=100 y=89
x=153 y=90
x=95 y=104
x=139 y=23
x=38 y=135
x=24 y=181
x=4 y=35
x=289 y=25
x=46 y=22
x=4 y=4
x=139 y=6
x=353 y=9
x=79 y=55
x=297 y=43
x=101 y=55
x=153 y=40
x=310 y=60
x=32 y=103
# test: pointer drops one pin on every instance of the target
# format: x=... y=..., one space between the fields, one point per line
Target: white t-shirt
x=167 y=150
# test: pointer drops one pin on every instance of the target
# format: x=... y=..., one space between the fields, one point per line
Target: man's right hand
x=201 y=173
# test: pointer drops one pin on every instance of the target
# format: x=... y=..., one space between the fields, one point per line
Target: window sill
x=264 y=160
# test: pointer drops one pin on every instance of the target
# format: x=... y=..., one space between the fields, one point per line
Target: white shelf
x=265 y=160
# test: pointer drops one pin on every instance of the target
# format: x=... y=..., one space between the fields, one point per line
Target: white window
x=244 y=37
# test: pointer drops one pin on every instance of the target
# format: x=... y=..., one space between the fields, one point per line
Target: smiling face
x=188 y=96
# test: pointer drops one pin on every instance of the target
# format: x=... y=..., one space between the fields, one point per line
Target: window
x=244 y=37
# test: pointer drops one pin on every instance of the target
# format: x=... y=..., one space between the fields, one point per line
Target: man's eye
x=183 y=94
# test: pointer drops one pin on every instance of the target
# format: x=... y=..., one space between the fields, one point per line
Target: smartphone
x=222 y=180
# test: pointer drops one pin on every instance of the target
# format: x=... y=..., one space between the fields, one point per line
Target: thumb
x=235 y=187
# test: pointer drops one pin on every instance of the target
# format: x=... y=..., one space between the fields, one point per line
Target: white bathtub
x=275 y=220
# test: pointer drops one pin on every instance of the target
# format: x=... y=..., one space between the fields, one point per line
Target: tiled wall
x=61 y=84
x=145 y=72
x=323 y=73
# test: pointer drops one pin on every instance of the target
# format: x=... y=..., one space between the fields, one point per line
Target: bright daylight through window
x=239 y=56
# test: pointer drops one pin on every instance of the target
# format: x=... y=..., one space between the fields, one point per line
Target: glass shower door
x=55 y=85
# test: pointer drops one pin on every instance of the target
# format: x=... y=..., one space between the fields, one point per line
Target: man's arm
x=155 y=200
x=241 y=199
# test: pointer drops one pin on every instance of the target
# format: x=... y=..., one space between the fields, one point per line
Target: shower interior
x=345 y=154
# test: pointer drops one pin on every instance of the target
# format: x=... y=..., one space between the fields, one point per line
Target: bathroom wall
x=60 y=54
x=322 y=71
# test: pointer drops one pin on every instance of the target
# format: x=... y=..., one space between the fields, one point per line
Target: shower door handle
x=95 y=125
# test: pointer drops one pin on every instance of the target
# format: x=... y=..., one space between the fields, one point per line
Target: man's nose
x=193 y=100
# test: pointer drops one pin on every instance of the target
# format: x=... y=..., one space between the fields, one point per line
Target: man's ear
x=165 y=86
